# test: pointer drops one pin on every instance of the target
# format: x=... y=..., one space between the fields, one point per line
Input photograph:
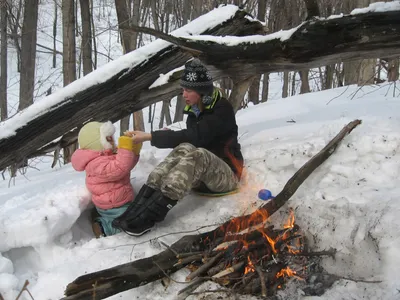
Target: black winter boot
x=153 y=210
x=144 y=194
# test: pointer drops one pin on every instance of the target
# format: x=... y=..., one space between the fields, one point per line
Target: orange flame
x=290 y=221
x=288 y=273
x=271 y=242
x=250 y=267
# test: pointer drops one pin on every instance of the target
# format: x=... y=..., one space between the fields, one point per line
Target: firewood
x=188 y=260
x=331 y=252
x=218 y=268
x=204 y=268
x=184 y=293
x=230 y=270
x=188 y=254
x=262 y=282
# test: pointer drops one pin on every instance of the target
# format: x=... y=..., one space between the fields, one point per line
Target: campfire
x=259 y=261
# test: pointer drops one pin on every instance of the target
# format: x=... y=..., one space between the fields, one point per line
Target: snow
x=164 y=78
x=103 y=73
x=281 y=35
x=349 y=203
x=378 y=7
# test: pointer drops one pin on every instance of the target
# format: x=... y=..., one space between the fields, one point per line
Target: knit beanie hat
x=93 y=136
x=197 y=78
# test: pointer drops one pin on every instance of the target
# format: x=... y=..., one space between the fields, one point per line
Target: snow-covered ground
x=350 y=203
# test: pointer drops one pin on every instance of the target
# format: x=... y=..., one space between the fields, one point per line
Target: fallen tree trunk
x=102 y=284
x=112 y=99
x=314 y=43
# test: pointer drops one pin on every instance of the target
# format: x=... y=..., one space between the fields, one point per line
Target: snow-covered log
x=113 y=91
x=314 y=43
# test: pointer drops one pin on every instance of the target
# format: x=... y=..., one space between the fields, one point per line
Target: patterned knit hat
x=197 y=78
x=94 y=135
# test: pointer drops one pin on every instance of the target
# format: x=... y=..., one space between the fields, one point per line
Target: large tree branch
x=312 y=44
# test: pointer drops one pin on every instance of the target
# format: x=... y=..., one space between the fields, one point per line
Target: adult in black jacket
x=206 y=154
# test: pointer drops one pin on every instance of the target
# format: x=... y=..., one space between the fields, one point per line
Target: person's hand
x=138 y=136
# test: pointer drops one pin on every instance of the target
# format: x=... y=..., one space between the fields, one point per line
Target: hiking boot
x=132 y=210
x=153 y=209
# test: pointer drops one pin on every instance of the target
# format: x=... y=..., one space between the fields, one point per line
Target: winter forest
x=314 y=88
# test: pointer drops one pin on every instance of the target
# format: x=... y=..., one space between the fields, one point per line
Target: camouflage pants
x=188 y=167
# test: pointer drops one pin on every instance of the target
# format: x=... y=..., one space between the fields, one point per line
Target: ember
x=261 y=261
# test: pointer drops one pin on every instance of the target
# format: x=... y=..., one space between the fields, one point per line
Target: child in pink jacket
x=107 y=172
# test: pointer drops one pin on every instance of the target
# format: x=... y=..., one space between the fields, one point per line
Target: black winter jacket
x=214 y=129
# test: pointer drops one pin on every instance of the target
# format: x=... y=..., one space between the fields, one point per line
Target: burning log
x=108 y=282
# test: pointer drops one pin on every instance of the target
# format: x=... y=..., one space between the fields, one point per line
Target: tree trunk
x=129 y=42
x=239 y=90
x=69 y=42
x=393 y=69
x=328 y=77
x=367 y=67
x=305 y=86
x=14 y=26
x=285 y=87
x=108 y=282
x=69 y=57
x=254 y=90
x=55 y=34
x=3 y=63
x=351 y=71
x=180 y=105
x=312 y=9
x=93 y=36
x=28 y=53
x=293 y=90
x=367 y=72
x=265 y=88
x=86 y=37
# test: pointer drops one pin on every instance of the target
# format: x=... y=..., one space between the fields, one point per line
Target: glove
x=125 y=142
x=136 y=148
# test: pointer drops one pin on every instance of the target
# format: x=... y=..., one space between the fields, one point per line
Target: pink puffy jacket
x=107 y=175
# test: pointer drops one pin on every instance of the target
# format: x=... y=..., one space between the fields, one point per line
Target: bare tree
x=69 y=56
x=3 y=62
x=86 y=37
x=393 y=69
x=14 y=15
x=55 y=34
x=129 y=41
x=28 y=53
x=254 y=90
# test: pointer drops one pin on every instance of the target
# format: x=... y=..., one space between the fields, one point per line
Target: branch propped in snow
x=108 y=282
